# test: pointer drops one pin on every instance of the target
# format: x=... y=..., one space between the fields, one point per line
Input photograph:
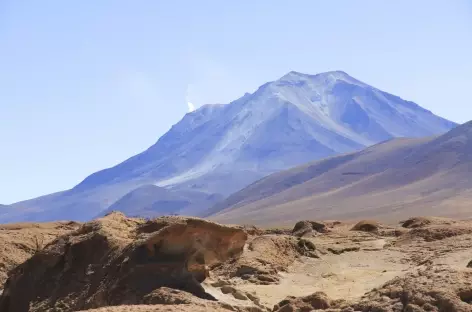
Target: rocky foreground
x=185 y=264
x=20 y=241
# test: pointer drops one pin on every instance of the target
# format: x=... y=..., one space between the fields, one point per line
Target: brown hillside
x=389 y=181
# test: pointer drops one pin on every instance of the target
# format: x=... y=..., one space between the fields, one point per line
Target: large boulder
x=316 y=301
x=370 y=226
x=117 y=260
x=307 y=227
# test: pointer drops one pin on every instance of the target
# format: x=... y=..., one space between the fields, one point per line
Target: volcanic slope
x=219 y=149
x=388 y=181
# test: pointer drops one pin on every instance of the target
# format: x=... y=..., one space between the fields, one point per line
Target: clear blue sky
x=86 y=84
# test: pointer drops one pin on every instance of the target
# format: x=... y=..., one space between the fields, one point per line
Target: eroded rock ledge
x=117 y=260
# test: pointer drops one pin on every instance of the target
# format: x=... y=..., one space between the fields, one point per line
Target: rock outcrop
x=120 y=261
x=435 y=229
x=440 y=290
x=172 y=300
x=426 y=290
x=367 y=226
x=419 y=222
x=316 y=301
x=265 y=256
x=19 y=241
x=306 y=227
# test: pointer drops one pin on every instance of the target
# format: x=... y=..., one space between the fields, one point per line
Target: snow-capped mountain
x=219 y=149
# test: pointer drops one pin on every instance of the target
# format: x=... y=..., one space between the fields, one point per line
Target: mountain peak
x=294 y=76
x=336 y=74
